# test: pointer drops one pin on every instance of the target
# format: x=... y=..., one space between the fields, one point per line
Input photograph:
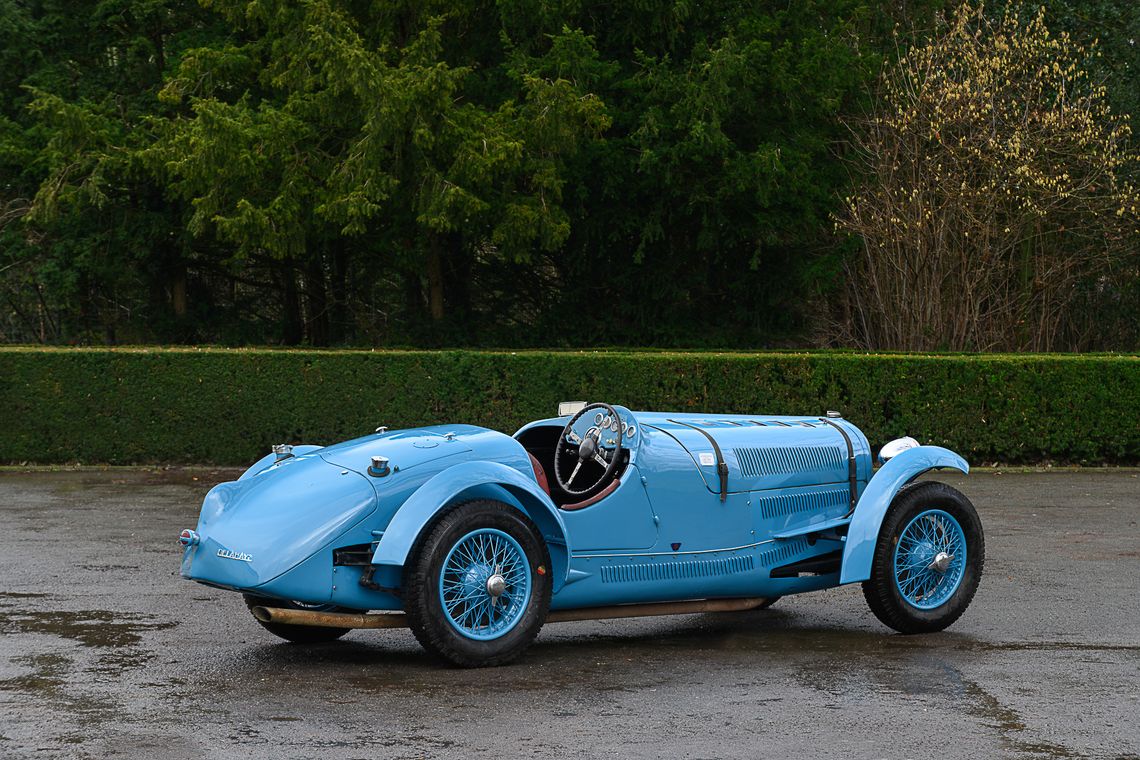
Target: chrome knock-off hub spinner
x=496 y=585
x=941 y=562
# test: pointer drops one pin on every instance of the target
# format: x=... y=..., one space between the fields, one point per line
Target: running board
x=399 y=619
x=658 y=608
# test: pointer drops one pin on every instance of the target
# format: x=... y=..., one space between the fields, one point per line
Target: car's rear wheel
x=928 y=559
x=298 y=634
x=477 y=587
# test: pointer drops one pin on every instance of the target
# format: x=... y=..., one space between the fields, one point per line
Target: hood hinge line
x=721 y=465
x=852 y=476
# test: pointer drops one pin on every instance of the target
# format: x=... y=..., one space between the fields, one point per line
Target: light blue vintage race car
x=474 y=539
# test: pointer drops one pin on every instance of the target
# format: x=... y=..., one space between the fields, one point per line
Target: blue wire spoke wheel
x=930 y=559
x=485 y=584
x=477 y=587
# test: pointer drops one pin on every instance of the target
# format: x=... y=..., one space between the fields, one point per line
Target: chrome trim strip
x=672 y=554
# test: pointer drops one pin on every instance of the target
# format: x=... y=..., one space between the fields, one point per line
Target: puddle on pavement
x=1009 y=723
x=20 y=595
x=115 y=637
x=48 y=673
x=644 y=657
x=50 y=681
x=922 y=668
x=774 y=635
x=844 y=662
x=92 y=628
x=109 y=644
x=1049 y=646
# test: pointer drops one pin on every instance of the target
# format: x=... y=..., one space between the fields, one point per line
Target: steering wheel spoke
x=575 y=473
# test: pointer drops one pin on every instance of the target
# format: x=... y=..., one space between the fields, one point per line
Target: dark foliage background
x=451 y=172
x=227 y=406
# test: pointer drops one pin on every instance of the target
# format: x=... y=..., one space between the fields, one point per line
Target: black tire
x=881 y=590
x=422 y=600
x=297 y=634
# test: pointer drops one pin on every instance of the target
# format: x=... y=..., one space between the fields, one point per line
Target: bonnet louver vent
x=757 y=462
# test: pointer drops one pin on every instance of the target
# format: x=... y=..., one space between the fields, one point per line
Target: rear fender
x=863 y=533
x=475 y=480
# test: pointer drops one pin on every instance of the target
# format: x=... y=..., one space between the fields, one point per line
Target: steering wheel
x=588 y=449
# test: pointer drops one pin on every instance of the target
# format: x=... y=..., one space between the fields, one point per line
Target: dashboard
x=608 y=428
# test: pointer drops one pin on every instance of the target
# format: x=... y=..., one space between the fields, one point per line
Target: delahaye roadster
x=474 y=539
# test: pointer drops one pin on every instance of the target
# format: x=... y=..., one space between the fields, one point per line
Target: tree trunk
x=457 y=281
x=178 y=299
x=338 y=292
x=317 y=321
x=435 y=277
x=292 y=326
x=413 y=288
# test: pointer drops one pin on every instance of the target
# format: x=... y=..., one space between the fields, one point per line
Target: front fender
x=476 y=480
x=863 y=533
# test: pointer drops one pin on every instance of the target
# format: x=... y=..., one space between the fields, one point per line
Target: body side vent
x=815 y=502
x=676 y=570
x=783 y=552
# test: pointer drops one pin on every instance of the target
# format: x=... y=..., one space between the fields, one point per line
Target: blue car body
x=707 y=506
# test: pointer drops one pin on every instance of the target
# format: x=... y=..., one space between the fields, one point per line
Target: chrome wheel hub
x=941 y=562
x=496 y=585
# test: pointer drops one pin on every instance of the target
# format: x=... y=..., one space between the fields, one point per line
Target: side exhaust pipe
x=330 y=619
x=399 y=619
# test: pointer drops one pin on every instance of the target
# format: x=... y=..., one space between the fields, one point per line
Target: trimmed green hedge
x=221 y=406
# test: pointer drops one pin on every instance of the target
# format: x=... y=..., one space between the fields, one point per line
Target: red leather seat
x=539 y=473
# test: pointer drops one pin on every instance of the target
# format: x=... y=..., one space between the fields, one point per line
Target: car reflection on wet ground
x=106 y=652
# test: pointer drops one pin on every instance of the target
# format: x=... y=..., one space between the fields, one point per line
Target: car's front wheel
x=477 y=587
x=928 y=559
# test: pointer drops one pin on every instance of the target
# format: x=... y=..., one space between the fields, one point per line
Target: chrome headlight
x=896 y=447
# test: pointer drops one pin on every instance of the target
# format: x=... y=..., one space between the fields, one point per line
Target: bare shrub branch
x=995 y=189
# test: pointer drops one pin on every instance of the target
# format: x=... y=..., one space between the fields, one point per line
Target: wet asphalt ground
x=106 y=653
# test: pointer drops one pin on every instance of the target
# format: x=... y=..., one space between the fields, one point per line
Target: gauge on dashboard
x=630 y=431
x=614 y=426
x=598 y=418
